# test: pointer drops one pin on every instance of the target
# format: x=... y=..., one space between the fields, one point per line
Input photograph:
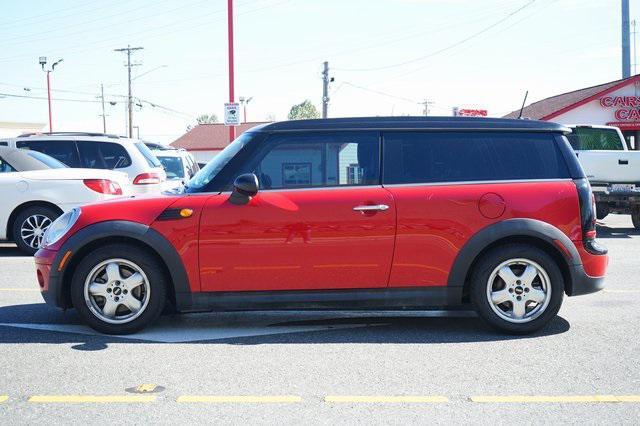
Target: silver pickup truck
x=612 y=169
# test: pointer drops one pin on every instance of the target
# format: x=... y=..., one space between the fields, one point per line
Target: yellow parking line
x=3 y=398
x=92 y=398
x=384 y=399
x=19 y=289
x=239 y=398
x=557 y=398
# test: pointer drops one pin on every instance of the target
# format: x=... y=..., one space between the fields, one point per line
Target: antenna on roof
x=523 y=102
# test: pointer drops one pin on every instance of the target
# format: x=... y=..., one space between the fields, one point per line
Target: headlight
x=60 y=226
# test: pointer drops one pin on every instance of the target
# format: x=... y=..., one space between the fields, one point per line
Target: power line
x=449 y=47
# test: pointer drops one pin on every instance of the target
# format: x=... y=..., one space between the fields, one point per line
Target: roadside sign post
x=232 y=114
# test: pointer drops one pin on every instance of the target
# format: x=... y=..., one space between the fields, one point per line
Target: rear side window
x=429 y=157
x=5 y=167
x=594 y=139
x=103 y=155
x=148 y=155
x=63 y=151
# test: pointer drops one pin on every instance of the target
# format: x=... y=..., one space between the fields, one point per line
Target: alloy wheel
x=117 y=291
x=519 y=290
x=33 y=228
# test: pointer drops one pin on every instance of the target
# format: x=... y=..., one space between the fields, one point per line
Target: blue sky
x=385 y=56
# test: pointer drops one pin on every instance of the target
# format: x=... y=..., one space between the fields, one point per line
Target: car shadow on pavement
x=11 y=251
x=605 y=232
x=38 y=323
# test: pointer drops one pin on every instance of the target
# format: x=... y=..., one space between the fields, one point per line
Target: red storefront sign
x=472 y=112
x=626 y=107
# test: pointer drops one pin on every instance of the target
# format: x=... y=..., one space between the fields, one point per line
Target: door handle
x=371 y=208
x=623 y=161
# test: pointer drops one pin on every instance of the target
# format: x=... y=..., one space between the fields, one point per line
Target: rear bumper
x=588 y=277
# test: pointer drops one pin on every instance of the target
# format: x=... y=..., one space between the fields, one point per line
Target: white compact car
x=179 y=166
x=35 y=189
x=99 y=151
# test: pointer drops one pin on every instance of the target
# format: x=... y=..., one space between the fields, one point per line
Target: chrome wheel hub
x=519 y=290
x=117 y=291
x=33 y=228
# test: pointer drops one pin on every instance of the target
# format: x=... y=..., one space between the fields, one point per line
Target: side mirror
x=245 y=187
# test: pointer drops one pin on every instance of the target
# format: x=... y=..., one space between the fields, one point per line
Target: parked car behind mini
x=35 y=189
x=99 y=151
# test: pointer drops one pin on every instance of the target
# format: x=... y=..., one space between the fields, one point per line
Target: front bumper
x=48 y=276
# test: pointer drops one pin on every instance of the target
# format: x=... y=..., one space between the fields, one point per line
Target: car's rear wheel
x=119 y=289
x=635 y=217
x=30 y=225
x=517 y=288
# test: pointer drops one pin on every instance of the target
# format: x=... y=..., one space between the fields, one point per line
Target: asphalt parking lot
x=326 y=368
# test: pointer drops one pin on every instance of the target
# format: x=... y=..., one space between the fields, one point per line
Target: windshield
x=595 y=139
x=213 y=167
x=50 y=162
x=148 y=155
x=173 y=166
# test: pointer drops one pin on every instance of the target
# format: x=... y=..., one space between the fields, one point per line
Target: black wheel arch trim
x=114 y=229
x=510 y=228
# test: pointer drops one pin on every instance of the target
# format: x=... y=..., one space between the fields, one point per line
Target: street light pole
x=49 y=100
x=43 y=61
x=232 y=129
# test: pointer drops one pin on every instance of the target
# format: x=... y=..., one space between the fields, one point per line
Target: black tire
x=490 y=261
x=31 y=212
x=602 y=210
x=635 y=218
x=147 y=262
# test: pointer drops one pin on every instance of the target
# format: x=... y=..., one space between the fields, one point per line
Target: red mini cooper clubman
x=359 y=213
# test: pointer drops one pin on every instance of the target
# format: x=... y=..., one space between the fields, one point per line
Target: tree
x=303 y=111
x=204 y=119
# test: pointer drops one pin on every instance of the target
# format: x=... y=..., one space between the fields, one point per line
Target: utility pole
x=426 y=104
x=325 y=88
x=43 y=61
x=232 y=129
x=104 y=117
x=129 y=49
x=626 y=62
x=635 y=57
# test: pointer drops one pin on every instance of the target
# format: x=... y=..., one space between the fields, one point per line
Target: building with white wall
x=616 y=103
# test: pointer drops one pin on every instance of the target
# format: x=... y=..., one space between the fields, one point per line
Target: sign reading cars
x=231 y=114
x=626 y=106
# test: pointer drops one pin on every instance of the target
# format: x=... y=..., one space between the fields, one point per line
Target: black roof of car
x=413 y=123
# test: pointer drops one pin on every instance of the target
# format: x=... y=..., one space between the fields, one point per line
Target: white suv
x=99 y=151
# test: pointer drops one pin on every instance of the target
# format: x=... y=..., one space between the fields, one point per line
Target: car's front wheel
x=517 y=288
x=119 y=289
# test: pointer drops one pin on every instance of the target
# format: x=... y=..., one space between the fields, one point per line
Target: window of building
x=429 y=157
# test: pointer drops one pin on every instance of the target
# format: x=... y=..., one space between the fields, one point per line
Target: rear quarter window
x=103 y=155
x=434 y=157
x=594 y=139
